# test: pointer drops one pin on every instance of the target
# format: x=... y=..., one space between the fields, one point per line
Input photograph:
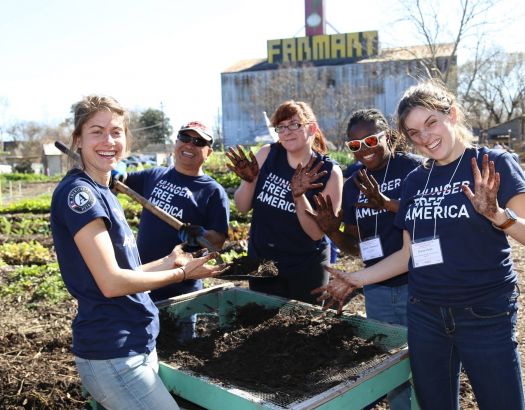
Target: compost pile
x=293 y=354
x=247 y=266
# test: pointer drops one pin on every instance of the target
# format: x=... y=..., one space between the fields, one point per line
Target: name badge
x=426 y=252
x=371 y=249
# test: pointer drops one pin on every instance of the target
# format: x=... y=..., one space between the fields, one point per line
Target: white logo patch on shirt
x=80 y=199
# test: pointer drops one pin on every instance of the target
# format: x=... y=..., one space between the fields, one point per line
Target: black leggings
x=297 y=285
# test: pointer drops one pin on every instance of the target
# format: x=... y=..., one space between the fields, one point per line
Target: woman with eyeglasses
x=116 y=326
x=456 y=213
x=278 y=184
x=191 y=196
x=370 y=202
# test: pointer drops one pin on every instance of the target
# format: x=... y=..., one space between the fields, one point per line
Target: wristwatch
x=511 y=220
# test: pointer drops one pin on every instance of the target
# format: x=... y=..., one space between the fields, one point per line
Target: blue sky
x=171 y=52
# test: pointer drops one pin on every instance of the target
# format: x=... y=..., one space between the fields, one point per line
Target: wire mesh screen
x=297 y=352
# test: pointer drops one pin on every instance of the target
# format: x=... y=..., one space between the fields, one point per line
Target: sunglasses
x=371 y=141
x=198 y=142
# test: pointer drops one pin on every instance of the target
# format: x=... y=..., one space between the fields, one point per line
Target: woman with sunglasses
x=117 y=324
x=456 y=213
x=192 y=197
x=278 y=184
x=370 y=202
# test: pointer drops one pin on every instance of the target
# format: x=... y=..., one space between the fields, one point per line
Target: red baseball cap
x=198 y=127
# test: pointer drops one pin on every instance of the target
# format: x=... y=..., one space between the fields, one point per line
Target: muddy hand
x=180 y=257
x=337 y=291
x=304 y=179
x=324 y=215
x=246 y=169
x=486 y=185
x=368 y=185
x=197 y=268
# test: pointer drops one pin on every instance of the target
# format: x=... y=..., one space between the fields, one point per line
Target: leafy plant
x=29 y=177
x=226 y=179
x=238 y=230
x=229 y=256
x=235 y=215
x=24 y=253
x=5 y=225
x=35 y=283
x=38 y=205
x=343 y=158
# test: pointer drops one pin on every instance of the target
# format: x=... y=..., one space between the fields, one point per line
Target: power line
x=160 y=124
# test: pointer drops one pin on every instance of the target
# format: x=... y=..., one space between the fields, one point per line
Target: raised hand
x=324 y=214
x=337 y=291
x=486 y=185
x=303 y=178
x=368 y=185
x=246 y=169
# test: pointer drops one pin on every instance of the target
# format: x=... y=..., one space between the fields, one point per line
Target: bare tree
x=427 y=18
x=493 y=90
x=30 y=136
x=218 y=139
x=331 y=98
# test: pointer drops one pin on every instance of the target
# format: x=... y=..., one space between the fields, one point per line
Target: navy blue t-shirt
x=391 y=237
x=196 y=200
x=477 y=263
x=104 y=328
x=275 y=232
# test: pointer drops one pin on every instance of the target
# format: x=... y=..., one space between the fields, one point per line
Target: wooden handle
x=160 y=213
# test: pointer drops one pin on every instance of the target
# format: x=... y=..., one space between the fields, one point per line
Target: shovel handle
x=158 y=212
x=155 y=210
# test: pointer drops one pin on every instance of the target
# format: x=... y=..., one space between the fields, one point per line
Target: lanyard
x=377 y=213
x=425 y=188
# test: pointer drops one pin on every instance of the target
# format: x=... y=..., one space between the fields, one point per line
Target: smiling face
x=189 y=158
x=373 y=158
x=102 y=142
x=299 y=139
x=433 y=133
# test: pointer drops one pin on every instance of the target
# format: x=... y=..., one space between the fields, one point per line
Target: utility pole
x=163 y=127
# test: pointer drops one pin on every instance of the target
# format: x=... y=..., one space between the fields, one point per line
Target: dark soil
x=286 y=354
x=250 y=267
x=37 y=369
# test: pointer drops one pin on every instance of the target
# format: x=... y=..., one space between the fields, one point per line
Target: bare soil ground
x=37 y=368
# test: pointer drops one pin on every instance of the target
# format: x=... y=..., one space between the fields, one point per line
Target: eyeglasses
x=291 y=127
x=371 y=141
x=198 y=142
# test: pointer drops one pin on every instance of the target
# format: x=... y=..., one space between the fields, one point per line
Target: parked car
x=140 y=160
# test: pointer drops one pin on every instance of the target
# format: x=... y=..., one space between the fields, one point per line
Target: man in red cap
x=188 y=194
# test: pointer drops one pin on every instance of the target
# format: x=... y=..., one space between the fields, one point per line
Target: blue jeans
x=389 y=304
x=126 y=382
x=481 y=338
